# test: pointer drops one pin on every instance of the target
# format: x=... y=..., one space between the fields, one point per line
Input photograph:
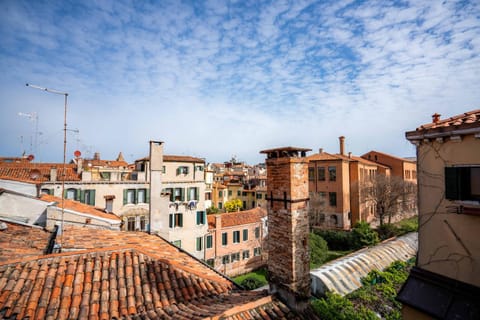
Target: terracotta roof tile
x=465 y=118
x=79 y=207
x=23 y=171
x=22 y=241
x=231 y=219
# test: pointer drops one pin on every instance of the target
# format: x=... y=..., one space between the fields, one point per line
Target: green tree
x=318 y=250
x=233 y=205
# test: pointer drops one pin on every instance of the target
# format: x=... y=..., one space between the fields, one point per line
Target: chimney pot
x=436 y=117
x=96 y=156
x=320 y=150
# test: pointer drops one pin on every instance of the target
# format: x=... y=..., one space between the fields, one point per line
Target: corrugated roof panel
x=344 y=275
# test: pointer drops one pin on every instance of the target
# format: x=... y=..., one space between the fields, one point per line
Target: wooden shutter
x=125 y=191
x=82 y=196
x=147 y=195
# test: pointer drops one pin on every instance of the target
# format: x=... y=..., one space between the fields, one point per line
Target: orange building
x=333 y=181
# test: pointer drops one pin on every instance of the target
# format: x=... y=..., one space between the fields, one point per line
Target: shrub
x=387 y=230
x=318 y=250
x=335 y=307
x=336 y=240
x=363 y=235
x=252 y=282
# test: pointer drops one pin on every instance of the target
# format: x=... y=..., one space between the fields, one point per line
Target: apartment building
x=445 y=282
x=235 y=241
x=334 y=181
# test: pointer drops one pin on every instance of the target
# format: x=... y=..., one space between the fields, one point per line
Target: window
x=220 y=193
x=332 y=173
x=311 y=174
x=462 y=183
x=220 y=205
x=164 y=170
x=131 y=223
x=143 y=223
x=210 y=262
x=193 y=193
x=321 y=173
x=129 y=196
x=71 y=194
x=257 y=251
x=178 y=194
x=244 y=204
x=245 y=234
x=257 y=232
x=259 y=196
x=201 y=217
x=245 y=254
x=109 y=204
x=141 y=195
x=199 y=243
x=177 y=243
x=239 y=193
x=323 y=196
x=236 y=236
x=226 y=259
x=209 y=244
x=235 y=256
x=105 y=175
x=224 y=239
x=230 y=193
x=182 y=170
x=332 y=199
x=244 y=193
x=199 y=168
x=46 y=191
x=175 y=220
x=87 y=197
x=208 y=196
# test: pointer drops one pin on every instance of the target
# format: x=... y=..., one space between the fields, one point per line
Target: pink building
x=234 y=243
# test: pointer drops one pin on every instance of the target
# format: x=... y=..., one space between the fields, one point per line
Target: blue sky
x=214 y=79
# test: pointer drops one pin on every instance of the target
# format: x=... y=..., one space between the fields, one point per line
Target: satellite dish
x=30 y=157
x=77 y=153
x=34 y=174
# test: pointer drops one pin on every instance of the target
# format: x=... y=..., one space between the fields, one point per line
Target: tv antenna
x=32 y=116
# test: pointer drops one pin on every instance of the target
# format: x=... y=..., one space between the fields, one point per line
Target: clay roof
x=231 y=219
x=332 y=157
x=464 y=121
x=23 y=171
x=322 y=156
x=365 y=156
x=21 y=240
x=141 y=276
x=79 y=207
x=170 y=158
x=105 y=163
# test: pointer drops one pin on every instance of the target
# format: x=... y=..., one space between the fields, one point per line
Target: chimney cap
x=436 y=117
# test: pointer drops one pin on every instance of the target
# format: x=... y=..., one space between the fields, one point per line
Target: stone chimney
x=96 y=156
x=436 y=117
x=79 y=165
x=158 y=206
x=320 y=150
x=342 y=145
x=53 y=174
x=288 y=251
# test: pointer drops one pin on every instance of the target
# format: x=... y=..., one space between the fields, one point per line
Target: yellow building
x=445 y=284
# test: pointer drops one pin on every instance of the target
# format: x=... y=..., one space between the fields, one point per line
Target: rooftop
x=231 y=219
x=111 y=274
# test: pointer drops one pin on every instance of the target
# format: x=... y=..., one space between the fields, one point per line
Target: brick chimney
x=435 y=117
x=288 y=251
x=342 y=145
x=158 y=222
x=96 y=156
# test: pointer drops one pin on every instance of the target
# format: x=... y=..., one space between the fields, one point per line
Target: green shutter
x=188 y=194
x=92 y=197
x=82 y=196
x=77 y=194
x=180 y=220
x=170 y=220
x=147 y=195
x=125 y=196
x=182 y=194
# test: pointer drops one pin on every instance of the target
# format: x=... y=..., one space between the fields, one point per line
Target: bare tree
x=389 y=194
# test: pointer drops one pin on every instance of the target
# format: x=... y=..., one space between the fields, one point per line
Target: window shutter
x=77 y=194
x=188 y=194
x=147 y=195
x=125 y=196
x=180 y=220
x=82 y=196
x=170 y=222
x=92 y=197
x=452 y=183
x=197 y=193
x=182 y=194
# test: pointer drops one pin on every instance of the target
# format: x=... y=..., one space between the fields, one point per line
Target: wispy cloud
x=217 y=78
